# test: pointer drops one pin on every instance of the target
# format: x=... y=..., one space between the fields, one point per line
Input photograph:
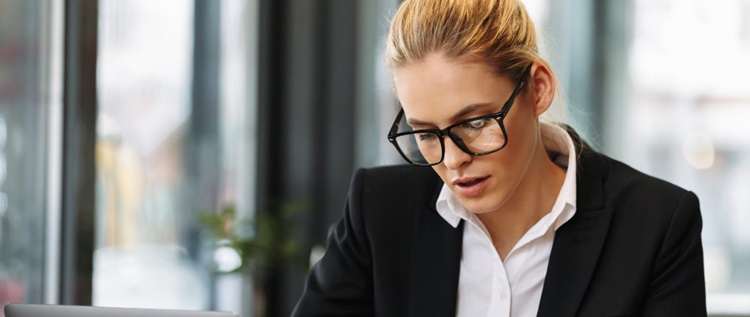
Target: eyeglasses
x=476 y=136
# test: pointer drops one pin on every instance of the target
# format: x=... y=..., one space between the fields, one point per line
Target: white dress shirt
x=488 y=286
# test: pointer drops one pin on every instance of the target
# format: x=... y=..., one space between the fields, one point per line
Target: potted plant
x=266 y=241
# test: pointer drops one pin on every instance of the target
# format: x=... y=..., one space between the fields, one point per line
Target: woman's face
x=438 y=92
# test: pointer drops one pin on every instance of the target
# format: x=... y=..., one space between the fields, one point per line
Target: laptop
x=33 y=310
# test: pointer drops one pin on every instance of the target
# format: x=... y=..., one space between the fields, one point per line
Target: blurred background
x=193 y=153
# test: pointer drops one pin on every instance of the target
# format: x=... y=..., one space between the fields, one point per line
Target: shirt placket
x=501 y=296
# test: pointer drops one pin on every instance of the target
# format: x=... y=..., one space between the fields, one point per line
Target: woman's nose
x=454 y=157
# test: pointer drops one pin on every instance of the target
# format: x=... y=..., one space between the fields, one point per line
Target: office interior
x=193 y=154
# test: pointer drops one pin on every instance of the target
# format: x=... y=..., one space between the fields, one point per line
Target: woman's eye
x=476 y=124
x=425 y=137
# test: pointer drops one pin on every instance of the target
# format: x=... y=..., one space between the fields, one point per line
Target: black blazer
x=633 y=248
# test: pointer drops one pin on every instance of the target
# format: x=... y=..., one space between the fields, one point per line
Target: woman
x=516 y=217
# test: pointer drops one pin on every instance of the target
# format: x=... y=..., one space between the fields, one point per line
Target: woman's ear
x=542 y=88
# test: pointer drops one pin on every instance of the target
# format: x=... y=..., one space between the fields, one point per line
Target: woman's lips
x=470 y=187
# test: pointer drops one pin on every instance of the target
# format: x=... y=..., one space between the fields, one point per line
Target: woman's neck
x=532 y=200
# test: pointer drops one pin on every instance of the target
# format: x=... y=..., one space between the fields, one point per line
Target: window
x=30 y=85
x=145 y=249
x=688 y=124
x=174 y=139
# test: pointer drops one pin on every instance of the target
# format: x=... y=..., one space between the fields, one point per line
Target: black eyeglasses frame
x=441 y=133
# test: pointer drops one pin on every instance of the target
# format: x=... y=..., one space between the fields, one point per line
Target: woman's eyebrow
x=463 y=112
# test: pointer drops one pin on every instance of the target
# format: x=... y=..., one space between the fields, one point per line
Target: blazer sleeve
x=678 y=283
x=340 y=284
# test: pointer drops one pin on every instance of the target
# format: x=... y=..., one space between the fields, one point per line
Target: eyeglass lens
x=478 y=136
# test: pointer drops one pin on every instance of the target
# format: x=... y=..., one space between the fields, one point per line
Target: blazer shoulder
x=398 y=172
x=634 y=184
x=385 y=180
x=648 y=203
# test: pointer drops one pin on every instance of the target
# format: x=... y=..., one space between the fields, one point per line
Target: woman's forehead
x=438 y=88
x=437 y=73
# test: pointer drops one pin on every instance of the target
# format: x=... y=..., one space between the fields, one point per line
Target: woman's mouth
x=470 y=187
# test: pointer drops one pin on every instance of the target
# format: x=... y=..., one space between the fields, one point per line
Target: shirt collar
x=559 y=144
x=450 y=208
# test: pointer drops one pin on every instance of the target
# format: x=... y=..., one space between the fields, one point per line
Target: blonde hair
x=496 y=32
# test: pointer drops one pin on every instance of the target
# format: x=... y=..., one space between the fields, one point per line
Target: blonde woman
x=516 y=216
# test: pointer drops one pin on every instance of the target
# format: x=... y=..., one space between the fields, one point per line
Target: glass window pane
x=25 y=94
x=144 y=79
x=172 y=142
x=688 y=124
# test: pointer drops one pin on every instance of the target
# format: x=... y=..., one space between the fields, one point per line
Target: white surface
x=25 y=310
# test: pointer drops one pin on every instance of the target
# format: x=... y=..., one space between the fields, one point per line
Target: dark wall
x=306 y=122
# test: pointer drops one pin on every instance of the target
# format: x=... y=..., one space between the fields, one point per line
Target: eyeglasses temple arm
x=520 y=85
x=394 y=127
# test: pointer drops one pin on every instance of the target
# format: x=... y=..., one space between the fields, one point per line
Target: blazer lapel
x=578 y=243
x=435 y=263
